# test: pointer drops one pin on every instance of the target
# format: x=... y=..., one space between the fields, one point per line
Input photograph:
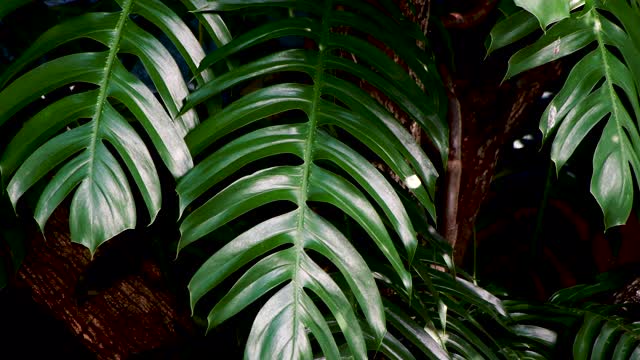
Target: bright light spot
x=553 y=113
x=413 y=182
x=42 y=97
x=447 y=259
x=613 y=179
x=556 y=46
x=546 y=95
x=518 y=145
x=615 y=139
x=536 y=332
x=72 y=87
x=441 y=337
x=597 y=26
x=527 y=137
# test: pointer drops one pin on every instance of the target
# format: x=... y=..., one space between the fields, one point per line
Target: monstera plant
x=279 y=133
x=87 y=140
x=602 y=88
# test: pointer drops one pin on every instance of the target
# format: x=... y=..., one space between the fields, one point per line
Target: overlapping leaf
x=584 y=330
x=460 y=306
x=278 y=250
x=602 y=88
x=546 y=11
x=84 y=137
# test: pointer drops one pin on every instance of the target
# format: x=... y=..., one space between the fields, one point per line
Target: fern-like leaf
x=601 y=88
x=279 y=248
x=586 y=331
x=570 y=324
x=70 y=136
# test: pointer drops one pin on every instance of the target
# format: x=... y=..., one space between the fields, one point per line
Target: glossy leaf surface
x=546 y=11
x=588 y=330
x=84 y=138
x=602 y=89
x=288 y=253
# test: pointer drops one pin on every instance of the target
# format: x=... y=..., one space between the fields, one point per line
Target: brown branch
x=491 y=116
x=425 y=14
x=454 y=163
x=469 y=19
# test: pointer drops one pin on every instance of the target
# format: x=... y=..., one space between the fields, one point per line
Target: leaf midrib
x=608 y=77
x=308 y=155
x=114 y=45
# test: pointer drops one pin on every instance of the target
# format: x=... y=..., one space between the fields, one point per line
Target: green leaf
x=596 y=331
x=597 y=90
x=537 y=333
x=213 y=23
x=586 y=337
x=415 y=334
x=308 y=268
x=627 y=344
x=69 y=136
x=512 y=29
x=606 y=340
x=546 y=11
x=562 y=39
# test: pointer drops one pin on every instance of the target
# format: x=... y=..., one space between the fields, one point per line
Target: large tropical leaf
x=602 y=89
x=85 y=137
x=571 y=325
x=307 y=117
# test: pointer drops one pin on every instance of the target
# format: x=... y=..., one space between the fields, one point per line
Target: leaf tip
x=182 y=206
x=407 y=281
x=193 y=300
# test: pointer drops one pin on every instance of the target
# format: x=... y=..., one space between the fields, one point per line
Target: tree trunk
x=491 y=111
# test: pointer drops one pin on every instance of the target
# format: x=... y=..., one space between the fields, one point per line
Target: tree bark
x=491 y=116
x=135 y=313
x=491 y=112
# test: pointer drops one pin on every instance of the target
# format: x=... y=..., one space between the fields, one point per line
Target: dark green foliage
x=272 y=149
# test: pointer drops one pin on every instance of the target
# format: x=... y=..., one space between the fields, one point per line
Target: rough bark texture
x=490 y=117
x=630 y=294
x=133 y=314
